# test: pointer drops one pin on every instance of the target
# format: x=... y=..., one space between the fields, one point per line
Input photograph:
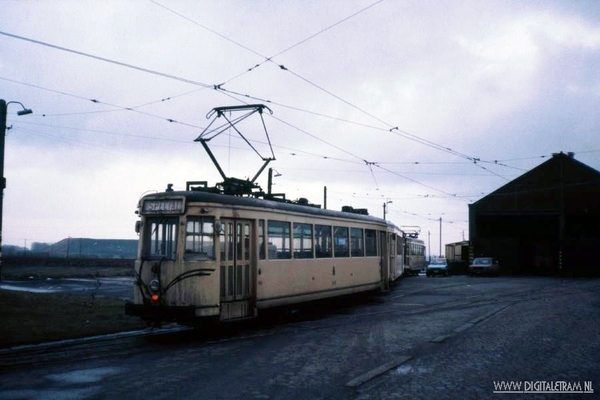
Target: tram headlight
x=154 y=285
x=218 y=226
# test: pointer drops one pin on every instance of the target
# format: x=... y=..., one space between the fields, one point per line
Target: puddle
x=93 y=375
x=17 y=288
x=409 y=369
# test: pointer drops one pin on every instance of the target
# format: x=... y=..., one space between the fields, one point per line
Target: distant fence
x=66 y=262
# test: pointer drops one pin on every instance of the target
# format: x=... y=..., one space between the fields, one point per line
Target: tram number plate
x=170 y=206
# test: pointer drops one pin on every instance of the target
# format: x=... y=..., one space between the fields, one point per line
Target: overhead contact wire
x=108 y=60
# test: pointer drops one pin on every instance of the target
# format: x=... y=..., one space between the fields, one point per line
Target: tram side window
x=279 y=240
x=243 y=241
x=161 y=239
x=341 y=246
x=262 y=252
x=323 y=243
x=371 y=242
x=303 y=241
x=199 y=238
x=357 y=242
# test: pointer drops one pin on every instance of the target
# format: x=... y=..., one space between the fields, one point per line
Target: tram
x=229 y=251
x=414 y=256
x=211 y=255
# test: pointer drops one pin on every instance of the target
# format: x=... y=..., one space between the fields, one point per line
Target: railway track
x=121 y=344
x=76 y=349
x=130 y=343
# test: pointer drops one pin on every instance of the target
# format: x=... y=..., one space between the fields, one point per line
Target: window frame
x=360 y=239
x=371 y=247
x=285 y=252
x=303 y=234
x=203 y=222
x=341 y=241
x=167 y=235
x=323 y=241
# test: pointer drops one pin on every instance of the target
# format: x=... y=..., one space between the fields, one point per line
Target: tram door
x=385 y=259
x=236 y=269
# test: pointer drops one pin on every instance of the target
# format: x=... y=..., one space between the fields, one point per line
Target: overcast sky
x=427 y=105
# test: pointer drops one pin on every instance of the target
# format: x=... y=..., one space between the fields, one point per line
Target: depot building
x=545 y=222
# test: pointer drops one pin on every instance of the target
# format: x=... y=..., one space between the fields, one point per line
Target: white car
x=437 y=266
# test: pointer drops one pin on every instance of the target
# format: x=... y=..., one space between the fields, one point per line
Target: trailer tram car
x=414 y=256
x=204 y=255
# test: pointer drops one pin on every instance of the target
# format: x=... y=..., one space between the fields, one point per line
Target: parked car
x=484 y=266
x=437 y=266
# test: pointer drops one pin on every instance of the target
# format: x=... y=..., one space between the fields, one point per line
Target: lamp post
x=385 y=207
x=270 y=181
x=3 y=112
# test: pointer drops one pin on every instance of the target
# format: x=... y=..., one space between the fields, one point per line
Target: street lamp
x=3 y=112
x=385 y=206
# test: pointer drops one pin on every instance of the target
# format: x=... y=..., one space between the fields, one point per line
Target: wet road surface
x=442 y=338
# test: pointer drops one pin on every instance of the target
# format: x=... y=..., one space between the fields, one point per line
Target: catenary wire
x=431 y=144
x=398 y=131
x=108 y=60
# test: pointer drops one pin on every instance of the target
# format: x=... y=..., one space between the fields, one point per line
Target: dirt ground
x=29 y=318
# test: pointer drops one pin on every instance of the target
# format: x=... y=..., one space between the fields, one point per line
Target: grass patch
x=29 y=318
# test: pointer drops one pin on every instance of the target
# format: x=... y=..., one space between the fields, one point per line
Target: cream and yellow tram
x=204 y=255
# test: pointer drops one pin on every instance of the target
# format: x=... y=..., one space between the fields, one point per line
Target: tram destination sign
x=163 y=206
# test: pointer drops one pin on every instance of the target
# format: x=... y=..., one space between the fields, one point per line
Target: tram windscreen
x=161 y=238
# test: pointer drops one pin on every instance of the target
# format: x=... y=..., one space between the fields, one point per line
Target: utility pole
x=440 y=236
x=429 y=244
x=3 y=112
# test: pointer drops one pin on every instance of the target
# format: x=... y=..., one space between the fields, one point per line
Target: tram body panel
x=287 y=282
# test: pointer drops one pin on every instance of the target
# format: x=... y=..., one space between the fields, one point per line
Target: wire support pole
x=3 y=128
x=440 y=253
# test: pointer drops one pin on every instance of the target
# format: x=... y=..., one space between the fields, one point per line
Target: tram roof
x=207 y=197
